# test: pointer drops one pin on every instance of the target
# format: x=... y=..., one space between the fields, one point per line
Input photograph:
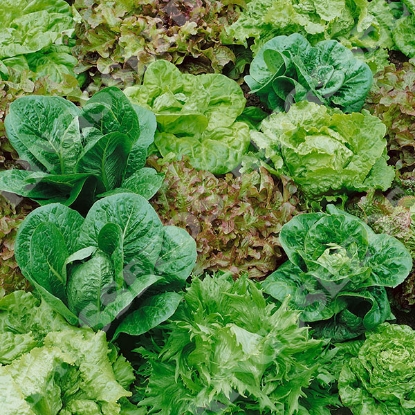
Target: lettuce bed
x=207 y=207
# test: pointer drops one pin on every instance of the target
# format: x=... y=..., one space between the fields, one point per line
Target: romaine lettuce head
x=91 y=269
x=380 y=378
x=325 y=151
x=337 y=271
x=196 y=116
x=288 y=69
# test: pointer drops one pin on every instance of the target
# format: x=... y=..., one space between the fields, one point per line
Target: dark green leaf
x=177 y=256
x=145 y=182
x=45 y=132
x=151 y=313
x=142 y=229
x=48 y=253
x=107 y=159
x=110 y=111
x=67 y=221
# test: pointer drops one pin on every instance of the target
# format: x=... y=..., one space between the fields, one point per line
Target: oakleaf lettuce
x=235 y=220
x=196 y=116
x=337 y=271
x=325 y=151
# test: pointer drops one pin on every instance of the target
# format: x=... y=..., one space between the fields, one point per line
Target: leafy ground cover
x=207 y=207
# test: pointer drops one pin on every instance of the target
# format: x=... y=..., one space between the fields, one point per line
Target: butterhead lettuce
x=337 y=271
x=196 y=116
x=288 y=69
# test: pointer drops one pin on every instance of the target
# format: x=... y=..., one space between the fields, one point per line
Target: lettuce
x=228 y=350
x=50 y=367
x=116 y=42
x=337 y=271
x=288 y=69
x=392 y=101
x=195 y=116
x=346 y=20
x=379 y=378
x=10 y=219
x=91 y=269
x=37 y=37
x=325 y=151
x=234 y=220
x=77 y=155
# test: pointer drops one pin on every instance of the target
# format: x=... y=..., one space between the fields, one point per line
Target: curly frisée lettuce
x=49 y=367
x=325 y=151
x=196 y=116
x=229 y=350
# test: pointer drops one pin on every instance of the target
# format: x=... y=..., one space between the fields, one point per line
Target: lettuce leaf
x=346 y=20
x=77 y=155
x=91 y=269
x=235 y=221
x=379 y=377
x=288 y=69
x=116 y=42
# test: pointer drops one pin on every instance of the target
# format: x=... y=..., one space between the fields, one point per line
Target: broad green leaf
x=45 y=132
x=67 y=221
x=389 y=260
x=90 y=283
x=326 y=73
x=99 y=315
x=110 y=111
x=141 y=227
x=138 y=154
x=293 y=233
x=30 y=27
x=110 y=241
x=145 y=182
x=341 y=231
x=53 y=64
x=153 y=311
x=195 y=116
x=57 y=304
x=107 y=159
x=177 y=256
x=48 y=253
